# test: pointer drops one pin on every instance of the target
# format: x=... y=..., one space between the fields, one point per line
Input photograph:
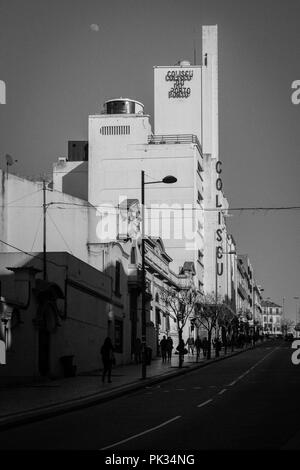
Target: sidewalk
x=31 y=402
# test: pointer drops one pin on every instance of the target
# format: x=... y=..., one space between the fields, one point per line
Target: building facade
x=272 y=318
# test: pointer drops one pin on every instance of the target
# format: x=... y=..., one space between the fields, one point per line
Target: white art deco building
x=190 y=214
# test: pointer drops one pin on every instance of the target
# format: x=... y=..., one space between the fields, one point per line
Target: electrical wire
x=23 y=197
x=60 y=233
x=172 y=209
x=32 y=256
x=37 y=231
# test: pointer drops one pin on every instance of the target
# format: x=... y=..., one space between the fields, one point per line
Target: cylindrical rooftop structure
x=123 y=106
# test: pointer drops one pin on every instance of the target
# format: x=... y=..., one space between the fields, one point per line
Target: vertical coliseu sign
x=219 y=238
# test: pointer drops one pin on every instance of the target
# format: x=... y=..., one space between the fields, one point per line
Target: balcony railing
x=175 y=139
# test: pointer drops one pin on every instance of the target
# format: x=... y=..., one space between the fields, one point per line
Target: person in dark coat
x=163 y=349
x=198 y=345
x=107 y=353
x=205 y=346
x=169 y=348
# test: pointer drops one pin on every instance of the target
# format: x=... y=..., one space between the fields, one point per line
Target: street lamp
x=232 y=252
x=166 y=180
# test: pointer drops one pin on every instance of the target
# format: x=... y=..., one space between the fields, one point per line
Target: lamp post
x=167 y=180
x=219 y=254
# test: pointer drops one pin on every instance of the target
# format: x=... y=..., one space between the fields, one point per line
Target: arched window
x=118 y=277
x=133 y=255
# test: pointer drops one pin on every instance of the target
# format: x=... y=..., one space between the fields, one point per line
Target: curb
x=38 y=414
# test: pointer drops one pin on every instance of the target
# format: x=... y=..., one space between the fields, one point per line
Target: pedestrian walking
x=217 y=345
x=205 y=346
x=169 y=348
x=198 y=345
x=163 y=349
x=181 y=351
x=108 y=359
x=190 y=344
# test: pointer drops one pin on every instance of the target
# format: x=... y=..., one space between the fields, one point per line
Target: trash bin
x=148 y=356
x=68 y=367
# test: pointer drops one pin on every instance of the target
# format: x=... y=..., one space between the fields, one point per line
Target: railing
x=175 y=139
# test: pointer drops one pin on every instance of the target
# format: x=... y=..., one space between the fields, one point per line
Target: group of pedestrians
x=191 y=346
x=197 y=345
x=166 y=348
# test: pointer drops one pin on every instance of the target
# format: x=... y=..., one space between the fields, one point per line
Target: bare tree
x=212 y=314
x=287 y=325
x=181 y=304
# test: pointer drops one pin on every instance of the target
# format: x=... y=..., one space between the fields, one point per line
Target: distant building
x=272 y=318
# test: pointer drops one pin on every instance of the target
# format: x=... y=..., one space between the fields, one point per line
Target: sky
x=61 y=59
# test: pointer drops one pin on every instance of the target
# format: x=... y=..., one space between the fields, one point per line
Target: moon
x=94 y=27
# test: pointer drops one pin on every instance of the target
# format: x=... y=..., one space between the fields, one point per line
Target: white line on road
x=204 y=403
x=222 y=391
x=142 y=433
x=251 y=368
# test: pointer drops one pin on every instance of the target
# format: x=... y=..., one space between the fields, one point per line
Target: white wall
x=176 y=115
x=66 y=220
x=210 y=141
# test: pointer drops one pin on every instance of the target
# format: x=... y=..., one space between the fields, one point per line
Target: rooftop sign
x=179 y=88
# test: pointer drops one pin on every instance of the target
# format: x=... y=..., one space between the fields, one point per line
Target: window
x=118 y=336
x=167 y=323
x=115 y=130
x=199 y=167
x=200 y=257
x=133 y=255
x=117 y=278
x=200 y=198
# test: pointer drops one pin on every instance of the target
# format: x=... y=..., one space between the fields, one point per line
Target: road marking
x=181 y=389
x=251 y=368
x=222 y=391
x=232 y=383
x=204 y=403
x=142 y=433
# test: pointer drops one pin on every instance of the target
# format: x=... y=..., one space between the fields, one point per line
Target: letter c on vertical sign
x=218 y=167
x=219 y=252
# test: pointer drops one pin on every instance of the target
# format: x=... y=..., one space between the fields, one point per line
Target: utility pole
x=144 y=327
x=44 y=232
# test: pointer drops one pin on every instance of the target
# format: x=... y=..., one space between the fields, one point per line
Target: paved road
x=250 y=401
